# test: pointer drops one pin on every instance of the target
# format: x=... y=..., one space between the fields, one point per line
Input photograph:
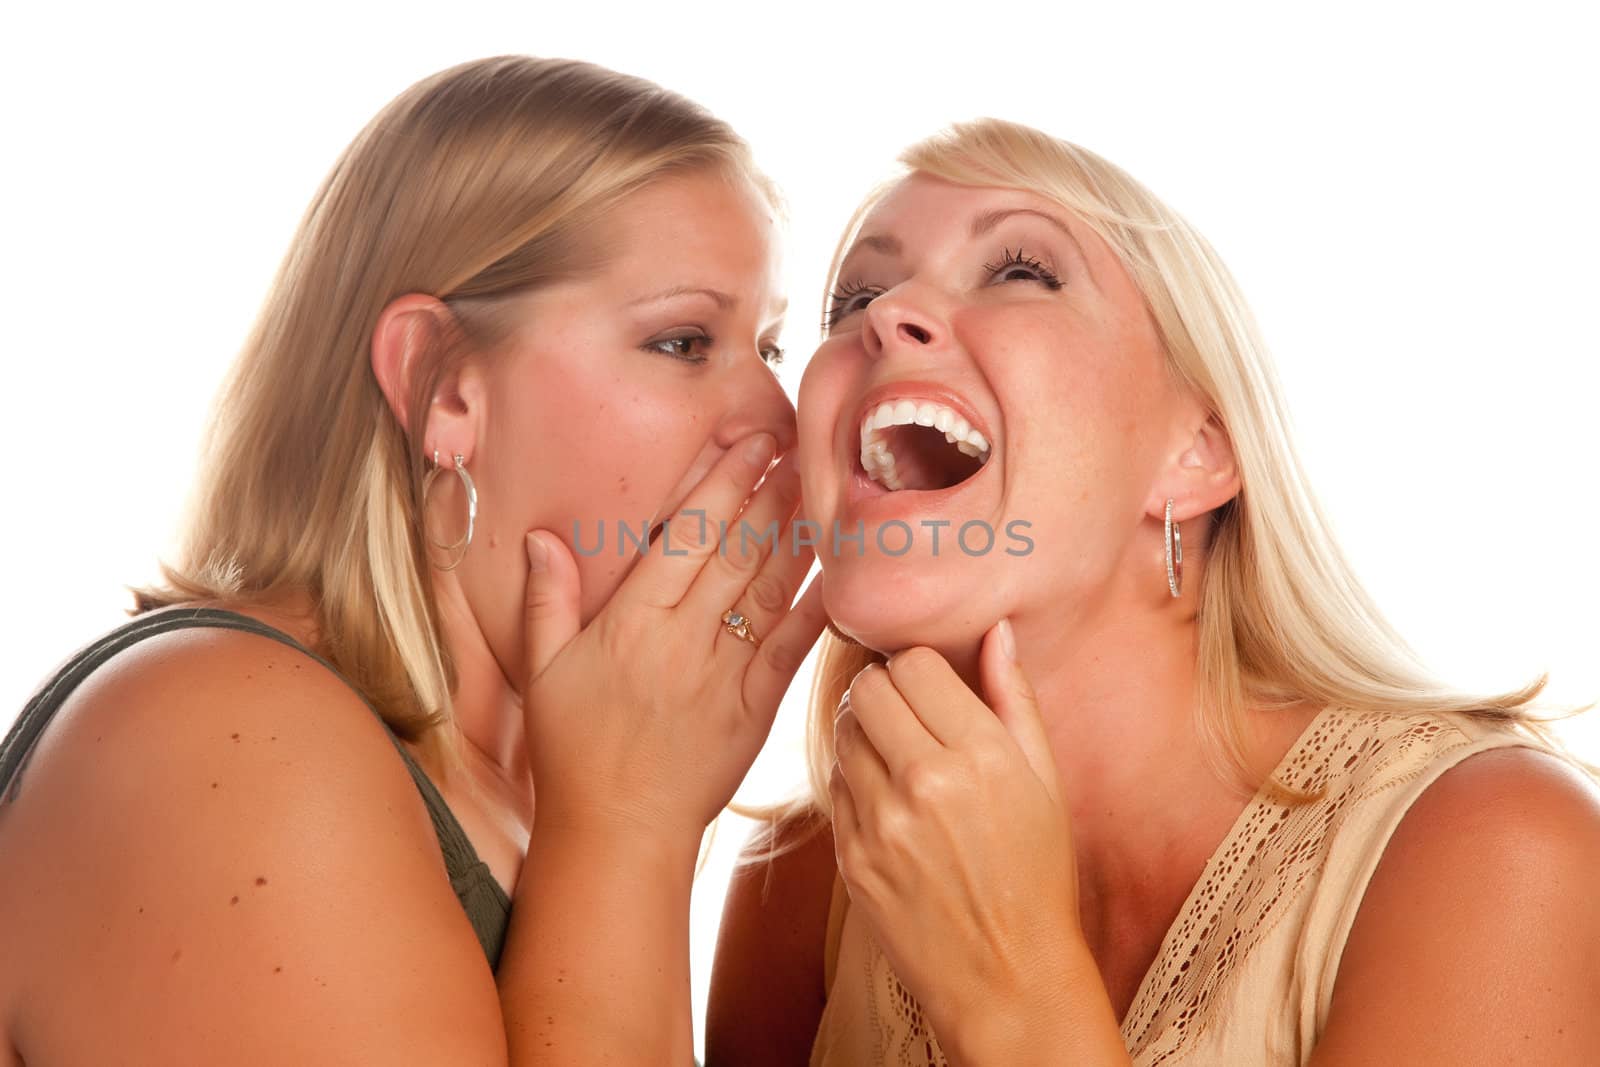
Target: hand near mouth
x=953 y=838
x=647 y=719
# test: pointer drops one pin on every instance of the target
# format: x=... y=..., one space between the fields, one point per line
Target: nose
x=899 y=319
x=756 y=403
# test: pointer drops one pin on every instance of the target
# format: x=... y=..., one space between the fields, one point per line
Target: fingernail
x=538 y=554
x=1008 y=640
x=758 y=450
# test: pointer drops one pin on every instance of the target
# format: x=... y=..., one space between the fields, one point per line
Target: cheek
x=1080 y=403
x=593 y=442
x=829 y=382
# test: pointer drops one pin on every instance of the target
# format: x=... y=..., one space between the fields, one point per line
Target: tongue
x=924 y=460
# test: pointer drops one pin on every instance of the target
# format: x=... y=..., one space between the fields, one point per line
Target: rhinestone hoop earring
x=459 y=547
x=1174 y=555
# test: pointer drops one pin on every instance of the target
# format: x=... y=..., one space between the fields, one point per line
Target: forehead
x=923 y=204
x=705 y=220
x=925 y=211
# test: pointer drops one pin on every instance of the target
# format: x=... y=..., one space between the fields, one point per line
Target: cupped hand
x=647 y=719
x=952 y=836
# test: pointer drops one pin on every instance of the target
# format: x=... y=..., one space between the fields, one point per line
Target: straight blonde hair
x=1282 y=618
x=480 y=183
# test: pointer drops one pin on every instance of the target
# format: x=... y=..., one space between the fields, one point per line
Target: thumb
x=550 y=602
x=1010 y=694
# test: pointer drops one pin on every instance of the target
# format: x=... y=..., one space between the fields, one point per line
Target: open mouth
x=920 y=445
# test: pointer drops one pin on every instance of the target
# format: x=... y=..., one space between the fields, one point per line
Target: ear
x=404 y=347
x=1201 y=473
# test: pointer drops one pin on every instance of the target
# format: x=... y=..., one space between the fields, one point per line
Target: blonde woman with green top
x=396 y=765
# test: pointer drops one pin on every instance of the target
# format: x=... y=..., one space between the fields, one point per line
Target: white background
x=1406 y=193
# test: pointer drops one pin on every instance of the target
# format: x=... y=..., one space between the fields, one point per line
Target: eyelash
x=1019 y=258
x=841 y=299
x=771 y=355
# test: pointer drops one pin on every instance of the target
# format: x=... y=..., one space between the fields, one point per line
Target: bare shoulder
x=1476 y=938
x=767 y=990
x=215 y=853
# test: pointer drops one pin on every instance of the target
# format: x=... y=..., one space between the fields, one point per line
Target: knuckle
x=768 y=594
x=784 y=656
x=924 y=782
x=916 y=662
x=871 y=681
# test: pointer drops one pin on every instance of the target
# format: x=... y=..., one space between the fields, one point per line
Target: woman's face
x=1011 y=324
x=619 y=391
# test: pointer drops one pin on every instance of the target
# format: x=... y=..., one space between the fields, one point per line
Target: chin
x=890 y=604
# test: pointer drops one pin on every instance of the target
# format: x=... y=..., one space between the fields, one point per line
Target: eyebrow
x=986 y=222
x=879 y=242
x=723 y=300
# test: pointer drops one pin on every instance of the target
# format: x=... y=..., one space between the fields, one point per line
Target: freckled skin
x=587 y=361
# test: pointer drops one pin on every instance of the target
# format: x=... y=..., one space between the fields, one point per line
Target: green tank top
x=486 y=904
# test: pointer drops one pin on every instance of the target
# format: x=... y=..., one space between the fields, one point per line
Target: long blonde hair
x=477 y=184
x=1282 y=617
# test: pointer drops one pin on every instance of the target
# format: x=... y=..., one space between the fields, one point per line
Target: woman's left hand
x=953 y=839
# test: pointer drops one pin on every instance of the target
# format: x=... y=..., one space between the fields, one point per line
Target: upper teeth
x=878 y=461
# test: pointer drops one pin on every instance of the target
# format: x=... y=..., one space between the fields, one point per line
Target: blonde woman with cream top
x=1166 y=788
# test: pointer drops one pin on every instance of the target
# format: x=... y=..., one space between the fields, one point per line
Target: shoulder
x=767 y=990
x=216 y=827
x=211 y=708
x=1477 y=932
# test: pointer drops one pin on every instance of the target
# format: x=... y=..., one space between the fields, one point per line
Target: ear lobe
x=407 y=326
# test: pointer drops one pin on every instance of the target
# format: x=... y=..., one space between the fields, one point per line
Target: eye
x=689 y=347
x=848 y=299
x=1018 y=266
x=772 y=355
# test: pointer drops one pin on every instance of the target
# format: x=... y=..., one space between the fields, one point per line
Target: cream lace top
x=1245 y=974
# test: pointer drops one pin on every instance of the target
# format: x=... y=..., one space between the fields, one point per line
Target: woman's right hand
x=648 y=718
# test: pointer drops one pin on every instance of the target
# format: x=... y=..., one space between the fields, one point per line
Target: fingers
x=948 y=710
x=550 y=600
x=858 y=762
x=691 y=537
x=1011 y=696
x=759 y=567
x=846 y=821
x=782 y=651
x=882 y=714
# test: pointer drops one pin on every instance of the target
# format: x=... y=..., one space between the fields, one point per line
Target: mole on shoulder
x=235 y=900
x=260 y=880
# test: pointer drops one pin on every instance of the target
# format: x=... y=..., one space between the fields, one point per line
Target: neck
x=487 y=706
x=1119 y=697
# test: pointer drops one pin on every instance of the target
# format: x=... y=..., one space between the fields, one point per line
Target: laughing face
x=992 y=412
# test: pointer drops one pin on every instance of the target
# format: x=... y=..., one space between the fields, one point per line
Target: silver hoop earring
x=1174 y=555
x=459 y=548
